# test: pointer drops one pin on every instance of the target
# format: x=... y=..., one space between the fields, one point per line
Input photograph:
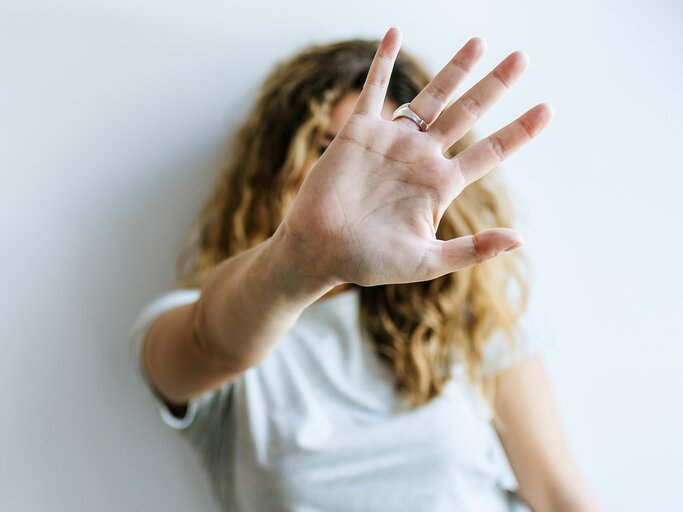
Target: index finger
x=372 y=96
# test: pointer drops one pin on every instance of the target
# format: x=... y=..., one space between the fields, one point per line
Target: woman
x=339 y=338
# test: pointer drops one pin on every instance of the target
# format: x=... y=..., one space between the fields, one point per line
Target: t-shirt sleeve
x=138 y=333
x=533 y=338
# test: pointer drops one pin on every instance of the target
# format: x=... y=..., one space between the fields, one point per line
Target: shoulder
x=532 y=336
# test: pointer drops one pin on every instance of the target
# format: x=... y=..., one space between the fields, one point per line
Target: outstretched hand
x=369 y=210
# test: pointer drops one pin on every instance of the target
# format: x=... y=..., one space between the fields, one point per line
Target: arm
x=253 y=297
x=367 y=213
x=530 y=431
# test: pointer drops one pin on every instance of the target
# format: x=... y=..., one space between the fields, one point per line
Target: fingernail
x=516 y=244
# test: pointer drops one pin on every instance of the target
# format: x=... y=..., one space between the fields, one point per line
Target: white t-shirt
x=314 y=426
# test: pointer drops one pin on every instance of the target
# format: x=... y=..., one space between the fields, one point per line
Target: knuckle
x=437 y=93
x=480 y=253
x=476 y=249
x=503 y=77
x=498 y=147
x=459 y=65
x=528 y=127
x=385 y=58
x=379 y=83
x=471 y=106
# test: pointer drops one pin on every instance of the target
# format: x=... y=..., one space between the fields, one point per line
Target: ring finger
x=431 y=100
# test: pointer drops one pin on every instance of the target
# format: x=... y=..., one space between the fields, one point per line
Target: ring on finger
x=405 y=111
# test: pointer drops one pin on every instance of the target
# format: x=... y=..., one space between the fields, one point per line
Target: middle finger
x=457 y=119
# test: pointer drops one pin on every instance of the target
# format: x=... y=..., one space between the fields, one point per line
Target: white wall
x=113 y=117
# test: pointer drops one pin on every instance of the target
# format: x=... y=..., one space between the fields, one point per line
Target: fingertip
x=514 y=238
x=516 y=244
x=545 y=112
x=479 y=44
x=551 y=108
x=521 y=57
x=394 y=33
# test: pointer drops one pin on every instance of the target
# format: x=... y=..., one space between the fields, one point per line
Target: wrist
x=297 y=270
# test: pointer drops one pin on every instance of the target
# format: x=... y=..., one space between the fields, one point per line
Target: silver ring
x=405 y=111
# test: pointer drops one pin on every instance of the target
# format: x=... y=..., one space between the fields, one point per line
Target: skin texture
x=367 y=214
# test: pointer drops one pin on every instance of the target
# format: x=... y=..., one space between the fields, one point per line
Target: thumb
x=465 y=251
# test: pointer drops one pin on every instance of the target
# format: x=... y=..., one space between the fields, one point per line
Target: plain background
x=114 y=117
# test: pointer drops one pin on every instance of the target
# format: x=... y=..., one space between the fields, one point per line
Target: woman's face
x=339 y=114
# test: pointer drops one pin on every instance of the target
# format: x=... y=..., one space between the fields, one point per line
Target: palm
x=369 y=210
x=379 y=215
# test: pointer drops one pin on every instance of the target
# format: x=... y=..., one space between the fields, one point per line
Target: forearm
x=530 y=430
x=575 y=498
x=250 y=300
x=561 y=488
